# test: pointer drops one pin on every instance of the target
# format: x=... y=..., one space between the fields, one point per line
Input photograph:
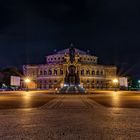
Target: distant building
x=52 y=74
x=123 y=82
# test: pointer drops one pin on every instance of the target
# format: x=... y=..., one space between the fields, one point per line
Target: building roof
x=66 y=51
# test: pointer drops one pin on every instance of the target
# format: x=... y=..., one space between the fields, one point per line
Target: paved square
x=70 y=117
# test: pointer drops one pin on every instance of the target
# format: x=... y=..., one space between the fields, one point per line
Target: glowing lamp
x=115 y=81
x=27 y=80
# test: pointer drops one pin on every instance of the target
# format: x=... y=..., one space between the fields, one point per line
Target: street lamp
x=115 y=81
x=138 y=83
x=27 y=81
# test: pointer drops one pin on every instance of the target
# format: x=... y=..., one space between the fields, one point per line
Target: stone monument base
x=72 y=89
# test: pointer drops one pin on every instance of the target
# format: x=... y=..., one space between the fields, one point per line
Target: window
x=88 y=72
x=102 y=73
x=50 y=72
x=41 y=72
x=61 y=72
x=82 y=72
x=97 y=72
x=55 y=72
x=45 y=72
x=80 y=59
x=93 y=72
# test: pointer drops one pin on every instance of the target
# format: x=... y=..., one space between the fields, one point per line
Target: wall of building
x=52 y=74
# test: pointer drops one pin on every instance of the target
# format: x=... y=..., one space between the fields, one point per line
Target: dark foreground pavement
x=70 y=117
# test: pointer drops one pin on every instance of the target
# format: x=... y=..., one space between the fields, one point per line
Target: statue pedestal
x=72 y=89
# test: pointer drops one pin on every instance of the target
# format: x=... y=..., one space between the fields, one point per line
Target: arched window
x=102 y=73
x=55 y=72
x=93 y=72
x=61 y=72
x=41 y=72
x=45 y=72
x=97 y=72
x=82 y=72
x=50 y=72
x=88 y=72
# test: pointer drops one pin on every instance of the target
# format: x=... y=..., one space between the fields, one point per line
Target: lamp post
x=115 y=81
x=27 y=81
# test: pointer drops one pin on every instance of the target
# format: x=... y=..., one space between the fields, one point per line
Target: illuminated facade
x=52 y=74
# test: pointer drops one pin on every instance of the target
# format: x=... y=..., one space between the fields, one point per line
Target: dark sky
x=110 y=29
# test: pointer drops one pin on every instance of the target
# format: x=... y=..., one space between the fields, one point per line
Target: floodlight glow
x=65 y=85
x=115 y=81
x=27 y=80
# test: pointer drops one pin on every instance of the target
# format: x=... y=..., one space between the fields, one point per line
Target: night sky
x=32 y=29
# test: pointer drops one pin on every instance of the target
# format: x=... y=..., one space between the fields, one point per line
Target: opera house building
x=70 y=67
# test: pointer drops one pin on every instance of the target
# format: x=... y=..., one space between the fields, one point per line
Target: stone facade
x=52 y=74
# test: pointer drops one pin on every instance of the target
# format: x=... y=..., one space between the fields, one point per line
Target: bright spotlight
x=27 y=80
x=115 y=81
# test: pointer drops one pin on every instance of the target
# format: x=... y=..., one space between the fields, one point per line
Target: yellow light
x=61 y=85
x=115 y=81
x=27 y=80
